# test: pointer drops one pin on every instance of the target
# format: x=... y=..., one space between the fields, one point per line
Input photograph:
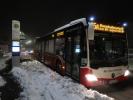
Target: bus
x=91 y=53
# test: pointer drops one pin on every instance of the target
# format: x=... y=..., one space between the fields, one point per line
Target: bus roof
x=81 y=20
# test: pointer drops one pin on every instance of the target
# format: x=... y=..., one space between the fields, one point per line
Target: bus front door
x=73 y=56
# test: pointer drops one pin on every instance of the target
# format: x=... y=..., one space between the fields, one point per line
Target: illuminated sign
x=60 y=34
x=15 y=46
x=15 y=49
x=15 y=43
x=108 y=28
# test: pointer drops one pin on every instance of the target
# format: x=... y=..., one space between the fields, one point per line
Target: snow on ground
x=3 y=59
x=9 y=55
x=41 y=83
x=2 y=64
x=2 y=82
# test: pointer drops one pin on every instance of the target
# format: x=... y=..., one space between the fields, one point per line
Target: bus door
x=73 y=55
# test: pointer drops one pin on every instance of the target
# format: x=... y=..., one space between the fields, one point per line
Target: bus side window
x=59 y=46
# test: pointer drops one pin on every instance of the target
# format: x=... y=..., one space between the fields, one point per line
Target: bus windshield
x=108 y=51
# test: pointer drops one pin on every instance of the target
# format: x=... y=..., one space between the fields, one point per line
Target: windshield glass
x=108 y=51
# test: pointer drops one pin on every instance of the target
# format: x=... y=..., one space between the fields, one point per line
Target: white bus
x=91 y=53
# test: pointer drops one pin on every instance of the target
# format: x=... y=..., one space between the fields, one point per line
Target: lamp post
x=125 y=24
x=92 y=18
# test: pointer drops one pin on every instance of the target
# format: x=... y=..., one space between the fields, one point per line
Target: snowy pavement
x=2 y=81
x=2 y=65
x=41 y=83
x=3 y=59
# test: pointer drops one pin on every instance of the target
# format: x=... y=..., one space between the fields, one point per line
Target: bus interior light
x=77 y=50
x=91 y=77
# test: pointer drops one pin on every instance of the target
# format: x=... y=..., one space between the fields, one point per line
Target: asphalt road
x=120 y=91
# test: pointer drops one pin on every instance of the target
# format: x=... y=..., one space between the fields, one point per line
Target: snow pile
x=41 y=83
x=2 y=64
x=5 y=57
x=2 y=82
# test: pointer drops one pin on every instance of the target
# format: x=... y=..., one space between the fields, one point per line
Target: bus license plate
x=113 y=81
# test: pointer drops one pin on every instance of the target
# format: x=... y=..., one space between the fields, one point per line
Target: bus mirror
x=90 y=31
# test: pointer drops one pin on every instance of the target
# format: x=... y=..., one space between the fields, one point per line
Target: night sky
x=38 y=18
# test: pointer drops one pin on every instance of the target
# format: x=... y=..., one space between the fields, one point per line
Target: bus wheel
x=58 y=66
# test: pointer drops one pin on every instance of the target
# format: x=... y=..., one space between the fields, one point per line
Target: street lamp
x=92 y=18
x=125 y=24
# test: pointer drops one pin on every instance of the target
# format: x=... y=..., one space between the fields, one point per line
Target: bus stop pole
x=15 y=43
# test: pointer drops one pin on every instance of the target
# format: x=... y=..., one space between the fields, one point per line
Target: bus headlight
x=127 y=72
x=91 y=77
